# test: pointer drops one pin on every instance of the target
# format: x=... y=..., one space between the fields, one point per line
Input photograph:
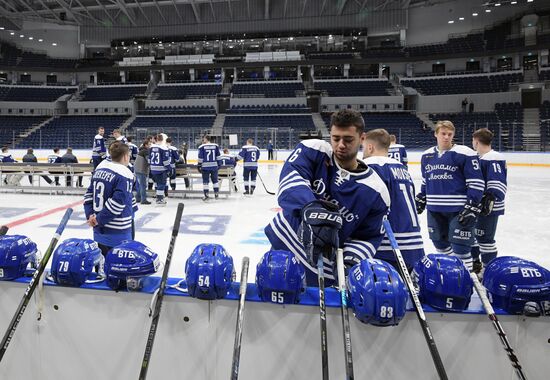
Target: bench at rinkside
x=94 y=332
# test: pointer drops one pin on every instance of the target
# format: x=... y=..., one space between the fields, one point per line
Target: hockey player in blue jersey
x=133 y=150
x=5 y=156
x=55 y=158
x=250 y=155
x=452 y=187
x=402 y=215
x=228 y=160
x=108 y=201
x=398 y=151
x=322 y=179
x=493 y=167
x=159 y=161
x=99 y=150
x=174 y=158
x=118 y=136
x=209 y=154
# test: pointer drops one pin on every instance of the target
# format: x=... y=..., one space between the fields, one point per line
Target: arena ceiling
x=137 y=13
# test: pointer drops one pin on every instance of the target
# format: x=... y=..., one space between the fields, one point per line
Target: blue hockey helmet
x=377 y=293
x=16 y=253
x=280 y=277
x=511 y=282
x=443 y=282
x=209 y=272
x=127 y=264
x=74 y=261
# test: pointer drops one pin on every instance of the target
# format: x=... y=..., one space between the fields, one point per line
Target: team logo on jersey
x=341 y=176
x=319 y=186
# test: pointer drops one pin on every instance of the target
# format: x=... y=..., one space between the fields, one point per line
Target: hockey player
x=108 y=201
x=209 y=154
x=400 y=185
x=99 y=150
x=118 y=136
x=159 y=160
x=250 y=155
x=55 y=158
x=6 y=157
x=397 y=151
x=133 y=150
x=493 y=167
x=174 y=158
x=452 y=187
x=226 y=159
x=328 y=195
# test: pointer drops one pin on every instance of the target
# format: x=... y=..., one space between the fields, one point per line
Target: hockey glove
x=319 y=228
x=467 y=217
x=487 y=204
x=199 y=168
x=420 y=200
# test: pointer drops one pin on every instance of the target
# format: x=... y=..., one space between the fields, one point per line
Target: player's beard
x=346 y=157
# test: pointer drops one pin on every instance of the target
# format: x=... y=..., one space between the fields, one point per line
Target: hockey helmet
x=16 y=253
x=511 y=282
x=377 y=293
x=280 y=277
x=443 y=282
x=74 y=261
x=127 y=264
x=209 y=272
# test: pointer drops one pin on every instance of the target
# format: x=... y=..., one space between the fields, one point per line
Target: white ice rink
x=237 y=222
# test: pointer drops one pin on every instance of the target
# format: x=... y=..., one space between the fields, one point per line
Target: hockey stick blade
x=158 y=303
x=263 y=184
x=345 y=314
x=240 y=319
x=4 y=230
x=8 y=335
x=514 y=361
x=416 y=302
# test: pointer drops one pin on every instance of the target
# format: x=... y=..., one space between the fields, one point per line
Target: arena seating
x=544 y=115
x=32 y=94
x=179 y=110
x=468 y=43
x=106 y=93
x=544 y=75
x=256 y=127
x=189 y=90
x=8 y=54
x=463 y=85
x=75 y=131
x=270 y=109
x=268 y=89
x=354 y=87
x=29 y=59
x=13 y=126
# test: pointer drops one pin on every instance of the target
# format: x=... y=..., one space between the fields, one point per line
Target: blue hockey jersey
x=451 y=178
x=122 y=139
x=398 y=153
x=209 y=154
x=6 y=157
x=362 y=197
x=250 y=155
x=493 y=166
x=159 y=159
x=133 y=152
x=174 y=156
x=99 y=149
x=54 y=159
x=110 y=198
x=402 y=215
x=227 y=160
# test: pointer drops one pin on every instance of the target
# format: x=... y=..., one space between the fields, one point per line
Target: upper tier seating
x=270 y=109
x=106 y=93
x=463 y=85
x=181 y=110
x=71 y=131
x=354 y=87
x=11 y=127
x=268 y=89
x=162 y=123
x=469 y=43
x=188 y=90
x=32 y=94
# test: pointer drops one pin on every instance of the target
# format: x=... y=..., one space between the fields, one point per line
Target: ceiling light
x=487 y=11
x=40 y=40
x=530 y=1
x=513 y=2
x=54 y=44
x=451 y=21
x=497 y=4
x=1 y=28
x=12 y=33
x=31 y=38
x=461 y=18
x=474 y=14
x=21 y=35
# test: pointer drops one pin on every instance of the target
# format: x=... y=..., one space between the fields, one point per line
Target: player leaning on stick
x=325 y=190
x=452 y=187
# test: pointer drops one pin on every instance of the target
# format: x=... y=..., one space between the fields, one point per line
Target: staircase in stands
x=531 y=130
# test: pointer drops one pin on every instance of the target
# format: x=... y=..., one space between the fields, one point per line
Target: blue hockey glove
x=468 y=216
x=420 y=200
x=487 y=204
x=319 y=228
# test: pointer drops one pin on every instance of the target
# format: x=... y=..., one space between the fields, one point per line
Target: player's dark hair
x=393 y=138
x=484 y=136
x=100 y=128
x=380 y=137
x=169 y=140
x=207 y=138
x=4 y=148
x=117 y=150
x=159 y=137
x=129 y=139
x=56 y=150
x=348 y=118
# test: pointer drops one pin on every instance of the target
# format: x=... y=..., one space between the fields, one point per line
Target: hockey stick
x=240 y=317
x=8 y=335
x=4 y=230
x=323 y=315
x=416 y=303
x=265 y=188
x=345 y=314
x=514 y=361
x=158 y=303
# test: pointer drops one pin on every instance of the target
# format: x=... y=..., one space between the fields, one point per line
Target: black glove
x=467 y=217
x=487 y=204
x=318 y=232
x=199 y=168
x=420 y=200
